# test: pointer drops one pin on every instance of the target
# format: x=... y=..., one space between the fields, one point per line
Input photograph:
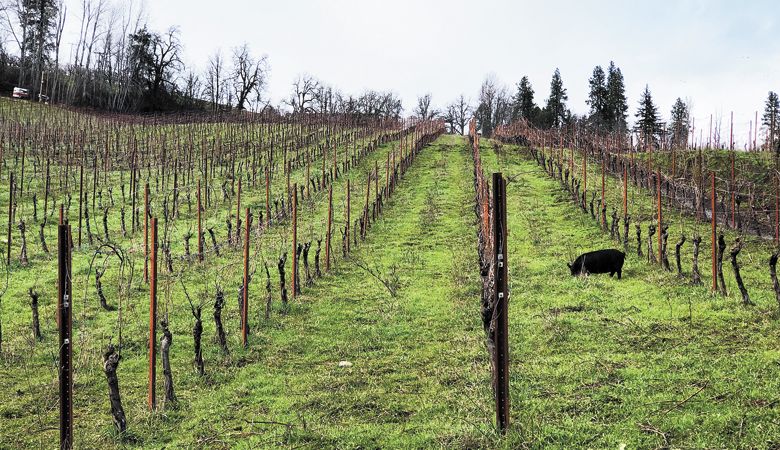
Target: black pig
x=600 y=261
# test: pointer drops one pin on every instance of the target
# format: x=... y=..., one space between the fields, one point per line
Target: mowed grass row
x=418 y=359
x=420 y=375
x=647 y=361
x=28 y=403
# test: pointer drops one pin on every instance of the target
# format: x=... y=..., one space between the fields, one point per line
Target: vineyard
x=329 y=281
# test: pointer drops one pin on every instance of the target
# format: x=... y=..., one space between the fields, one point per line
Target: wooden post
x=64 y=309
x=328 y=232
x=714 y=238
x=501 y=302
x=245 y=300
x=294 y=239
x=151 y=399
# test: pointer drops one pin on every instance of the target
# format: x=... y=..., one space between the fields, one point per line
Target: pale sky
x=723 y=55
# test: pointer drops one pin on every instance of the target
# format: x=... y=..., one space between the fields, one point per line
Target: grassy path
x=418 y=365
x=647 y=361
x=419 y=374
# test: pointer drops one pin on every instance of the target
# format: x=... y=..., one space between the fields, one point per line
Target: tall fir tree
x=771 y=120
x=648 y=125
x=597 y=98
x=680 y=122
x=617 y=103
x=38 y=20
x=523 y=106
x=557 y=114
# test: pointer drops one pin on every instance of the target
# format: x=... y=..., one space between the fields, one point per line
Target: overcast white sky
x=723 y=55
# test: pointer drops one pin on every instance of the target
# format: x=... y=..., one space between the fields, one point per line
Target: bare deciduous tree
x=458 y=114
x=423 y=110
x=249 y=75
x=305 y=90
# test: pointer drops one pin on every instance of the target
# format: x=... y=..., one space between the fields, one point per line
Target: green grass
x=409 y=353
x=647 y=361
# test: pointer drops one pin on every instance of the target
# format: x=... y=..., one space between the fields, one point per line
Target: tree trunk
x=677 y=248
x=735 y=265
x=165 y=347
x=773 y=274
x=219 y=303
x=36 y=327
x=110 y=364
x=282 y=283
x=695 y=269
x=721 y=251
x=638 y=240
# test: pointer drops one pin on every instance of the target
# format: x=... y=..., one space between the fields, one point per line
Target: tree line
x=608 y=111
x=119 y=63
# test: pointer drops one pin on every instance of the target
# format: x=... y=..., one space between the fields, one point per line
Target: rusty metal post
x=603 y=188
x=81 y=197
x=294 y=240
x=347 y=213
x=267 y=197
x=660 y=215
x=10 y=217
x=245 y=300
x=238 y=214
x=584 y=171
x=308 y=175
x=501 y=302
x=151 y=399
x=714 y=241
x=146 y=232
x=64 y=309
x=387 y=176
x=625 y=191
x=328 y=232
x=364 y=231
x=200 y=227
